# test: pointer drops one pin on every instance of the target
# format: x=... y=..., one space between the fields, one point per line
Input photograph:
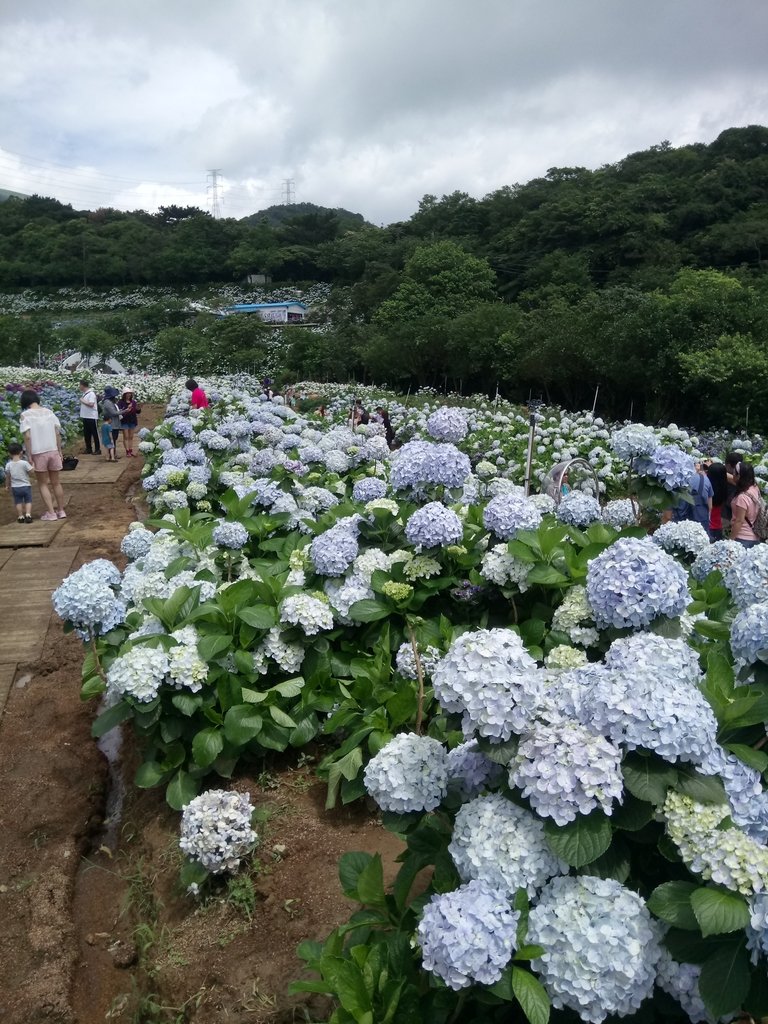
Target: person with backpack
x=749 y=514
x=701 y=509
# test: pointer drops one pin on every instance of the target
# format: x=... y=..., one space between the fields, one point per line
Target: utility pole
x=213 y=176
x=289 y=191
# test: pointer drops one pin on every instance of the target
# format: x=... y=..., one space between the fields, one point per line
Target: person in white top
x=89 y=417
x=42 y=439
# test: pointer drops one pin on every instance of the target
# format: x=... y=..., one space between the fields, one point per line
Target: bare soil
x=93 y=925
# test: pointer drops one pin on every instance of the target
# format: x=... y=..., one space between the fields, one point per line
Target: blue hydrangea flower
x=410 y=773
x=489 y=677
x=718 y=557
x=502 y=844
x=601 y=946
x=137 y=542
x=685 y=537
x=656 y=656
x=633 y=440
x=447 y=424
x=88 y=599
x=757 y=932
x=749 y=634
x=744 y=788
x=468 y=935
x=334 y=551
x=182 y=427
x=506 y=514
x=566 y=770
x=230 y=535
x=681 y=981
x=633 y=582
x=747 y=578
x=369 y=489
x=433 y=526
x=578 y=509
x=470 y=771
x=419 y=464
x=669 y=466
x=637 y=708
x=174 y=457
x=620 y=513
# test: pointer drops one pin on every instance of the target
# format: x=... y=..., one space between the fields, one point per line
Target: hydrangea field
x=562 y=713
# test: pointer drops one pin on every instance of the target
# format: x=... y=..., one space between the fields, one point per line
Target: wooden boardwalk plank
x=29 y=535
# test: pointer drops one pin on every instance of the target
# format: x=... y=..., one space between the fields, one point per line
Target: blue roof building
x=273 y=312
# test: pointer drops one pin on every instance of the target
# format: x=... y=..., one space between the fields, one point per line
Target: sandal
x=21 y=519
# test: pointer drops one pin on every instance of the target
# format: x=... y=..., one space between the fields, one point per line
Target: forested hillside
x=646 y=277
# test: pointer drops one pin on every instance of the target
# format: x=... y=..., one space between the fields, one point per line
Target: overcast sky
x=366 y=104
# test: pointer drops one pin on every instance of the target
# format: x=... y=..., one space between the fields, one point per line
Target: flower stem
x=99 y=668
x=420 y=676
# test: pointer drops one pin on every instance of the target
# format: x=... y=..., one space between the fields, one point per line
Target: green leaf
x=614 y=863
x=211 y=645
x=580 y=841
x=149 y=774
x=756 y=759
x=349 y=988
x=253 y=696
x=273 y=736
x=187 y=703
x=110 y=718
x=307 y=727
x=546 y=576
x=368 y=610
x=725 y=980
x=207 y=745
x=351 y=866
x=92 y=687
x=531 y=996
x=671 y=902
x=632 y=814
x=242 y=724
x=711 y=629
x=719 y=910
x=281 y=718
x=370 y=883
x=346 y=767
x=192 y=872
x=181 y=789
x=290 y=687
x=688 y=947
x=648 y=778
x=260 y=616
x=708 y=789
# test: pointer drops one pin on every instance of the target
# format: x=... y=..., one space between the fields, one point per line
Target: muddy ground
x=93 y=925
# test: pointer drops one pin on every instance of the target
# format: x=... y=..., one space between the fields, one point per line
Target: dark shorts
x=22 y=495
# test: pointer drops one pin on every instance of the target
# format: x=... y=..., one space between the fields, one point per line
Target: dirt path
x=95 y=930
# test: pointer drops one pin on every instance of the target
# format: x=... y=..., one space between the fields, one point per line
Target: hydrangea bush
x=548 y=709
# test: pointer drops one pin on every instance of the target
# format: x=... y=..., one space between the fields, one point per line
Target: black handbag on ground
x=69 y=462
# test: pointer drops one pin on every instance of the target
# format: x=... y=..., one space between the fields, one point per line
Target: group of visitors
x=119 y=416
x=360 y=417
x=724 y=495
x=42 y=457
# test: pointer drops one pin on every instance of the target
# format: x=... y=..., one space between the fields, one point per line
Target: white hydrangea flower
x=565 y=657
x=727 y=856
x=216 y=830
x=185 y=666
x=138 y=673
x=405 y=660
x=310 y=613
x=504 y=569
x=288 y=656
